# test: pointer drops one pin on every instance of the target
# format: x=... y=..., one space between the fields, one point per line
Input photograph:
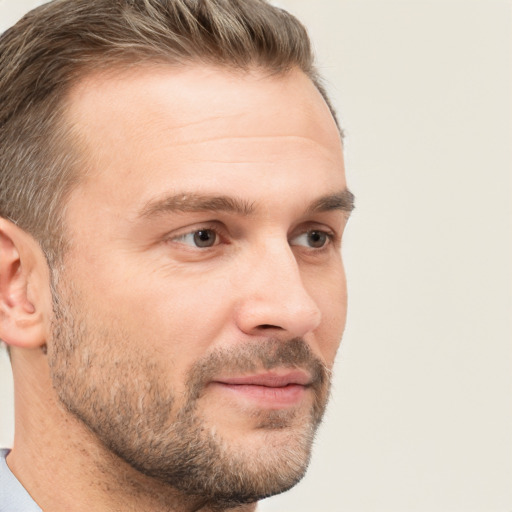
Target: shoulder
x=13 y=496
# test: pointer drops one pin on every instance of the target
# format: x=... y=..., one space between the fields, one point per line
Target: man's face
x=203 y=295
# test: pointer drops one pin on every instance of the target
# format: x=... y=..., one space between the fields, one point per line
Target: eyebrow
x=183 y=203
x=197 y=203
x=343 y=200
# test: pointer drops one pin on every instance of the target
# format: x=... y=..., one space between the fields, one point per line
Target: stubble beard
x=125 y=400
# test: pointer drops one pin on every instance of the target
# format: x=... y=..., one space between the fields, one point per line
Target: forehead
x=200 y=126
x=184 y=97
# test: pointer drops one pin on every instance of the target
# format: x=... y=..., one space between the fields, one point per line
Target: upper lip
x=269 y=379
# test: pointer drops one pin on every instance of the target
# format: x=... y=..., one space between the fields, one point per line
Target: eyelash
x=331 y=237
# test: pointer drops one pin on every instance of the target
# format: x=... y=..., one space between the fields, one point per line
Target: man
x=172 y=203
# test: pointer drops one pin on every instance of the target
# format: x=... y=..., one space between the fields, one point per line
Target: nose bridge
x=277 y=263
x=274 y=294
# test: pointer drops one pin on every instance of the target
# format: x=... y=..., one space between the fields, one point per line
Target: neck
x=64 y=467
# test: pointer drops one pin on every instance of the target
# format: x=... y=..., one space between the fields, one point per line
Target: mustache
x=251 y=357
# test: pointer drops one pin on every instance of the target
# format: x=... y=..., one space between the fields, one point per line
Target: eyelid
x=190 y=230
x=331 y=237
x=315 y=225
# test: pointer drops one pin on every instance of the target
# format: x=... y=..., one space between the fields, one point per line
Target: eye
x=314 y=239
x=201 y=238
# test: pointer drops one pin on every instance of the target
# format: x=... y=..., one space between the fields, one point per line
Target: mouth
x=271 y=390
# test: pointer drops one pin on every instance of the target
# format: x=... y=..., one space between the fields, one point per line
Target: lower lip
x=269 y=397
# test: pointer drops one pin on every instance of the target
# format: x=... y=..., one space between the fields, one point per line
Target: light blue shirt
x=13 y=496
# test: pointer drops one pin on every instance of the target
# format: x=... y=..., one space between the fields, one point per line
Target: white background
x=421 y=416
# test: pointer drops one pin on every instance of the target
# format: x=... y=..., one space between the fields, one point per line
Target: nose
x=273 y=296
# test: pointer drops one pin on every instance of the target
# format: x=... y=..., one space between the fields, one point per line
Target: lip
x=272 y=390
x=269 y=379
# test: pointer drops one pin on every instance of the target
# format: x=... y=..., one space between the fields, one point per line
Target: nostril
x=269 y=326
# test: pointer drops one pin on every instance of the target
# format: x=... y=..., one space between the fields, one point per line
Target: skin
x=135 y=273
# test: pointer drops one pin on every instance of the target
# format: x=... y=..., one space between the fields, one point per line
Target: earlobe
x=24 y=288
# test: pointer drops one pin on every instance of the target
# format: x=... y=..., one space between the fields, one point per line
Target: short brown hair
x=49 y=49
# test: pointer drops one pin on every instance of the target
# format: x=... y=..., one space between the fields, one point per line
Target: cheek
x=179 y=317
x=330 y=295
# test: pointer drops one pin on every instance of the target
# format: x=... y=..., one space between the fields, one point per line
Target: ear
x=25 y=298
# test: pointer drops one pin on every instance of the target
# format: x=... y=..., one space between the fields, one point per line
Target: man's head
x=194 y=171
